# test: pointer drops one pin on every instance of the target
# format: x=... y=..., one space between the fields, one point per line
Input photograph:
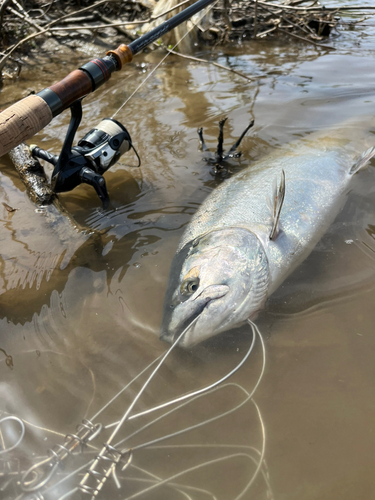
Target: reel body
x=94 y=154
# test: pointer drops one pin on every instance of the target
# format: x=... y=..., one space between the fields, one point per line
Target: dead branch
x=255 y=19
x=319 y=8
x=40 y=192
x=3 y=4
x=197 y=59
x=328 y=47
x=24 y=15
x=119 y=28
x=32 y=175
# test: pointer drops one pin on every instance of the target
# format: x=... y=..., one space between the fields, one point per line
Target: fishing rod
x=102 y=146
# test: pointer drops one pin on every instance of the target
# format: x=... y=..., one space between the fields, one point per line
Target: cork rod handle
x=21 y=121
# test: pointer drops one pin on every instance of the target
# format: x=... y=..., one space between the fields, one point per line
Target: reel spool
x=94 y=154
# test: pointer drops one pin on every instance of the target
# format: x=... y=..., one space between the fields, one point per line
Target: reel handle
x=37 y=152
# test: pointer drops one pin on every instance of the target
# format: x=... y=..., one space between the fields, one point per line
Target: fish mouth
x=189 y=321
x=171 y=337
x=201 y=301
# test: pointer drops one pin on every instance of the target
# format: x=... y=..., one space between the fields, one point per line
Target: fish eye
x=188 y=287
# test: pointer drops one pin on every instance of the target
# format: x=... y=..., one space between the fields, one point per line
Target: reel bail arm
x=99 y=149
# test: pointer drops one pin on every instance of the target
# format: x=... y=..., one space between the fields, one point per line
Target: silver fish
x=246 y=238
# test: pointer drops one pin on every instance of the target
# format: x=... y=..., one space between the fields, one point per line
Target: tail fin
x=363 y=160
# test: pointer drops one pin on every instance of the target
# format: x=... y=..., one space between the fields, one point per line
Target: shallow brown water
x=80 y=314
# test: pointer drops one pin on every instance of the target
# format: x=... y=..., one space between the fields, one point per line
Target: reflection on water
x=80 y=311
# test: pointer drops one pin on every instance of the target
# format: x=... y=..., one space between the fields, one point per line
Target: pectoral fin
x=277 y=201
x=363 y=160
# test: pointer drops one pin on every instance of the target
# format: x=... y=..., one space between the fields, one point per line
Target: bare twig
x=320 y=8
x=49 y=6
x=328 y=47
x=263 y=33
x=120 y=29
x=226 y=7
x=3 y=4
x=25 y=15
x=82 y=19
x=94 y=27
x=259 y=18
x=197 y=59
x=26 y=19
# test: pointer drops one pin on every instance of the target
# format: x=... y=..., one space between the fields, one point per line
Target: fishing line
x=143 y=445
x=43 y=471
x=255 y=331
x=188 y=429
x=125 y=387
x=191 y=469
x=110 y=454
x=17 y=443
x=175 y=485
x=264 y=468
x=196 y=426
x=108 y=449
x=38 y=482
x=198 y=391
x=206 y=11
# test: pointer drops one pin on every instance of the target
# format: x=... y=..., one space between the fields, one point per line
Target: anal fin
x=363 y=160
x=278 y=196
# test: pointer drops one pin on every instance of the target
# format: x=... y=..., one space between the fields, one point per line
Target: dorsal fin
x=277 y=201
x=363 y=160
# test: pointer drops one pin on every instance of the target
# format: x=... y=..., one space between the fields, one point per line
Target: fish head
x=220 y=279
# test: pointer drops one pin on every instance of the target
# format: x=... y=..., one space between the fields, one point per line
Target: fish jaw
x=229 y=270
x=190 y=310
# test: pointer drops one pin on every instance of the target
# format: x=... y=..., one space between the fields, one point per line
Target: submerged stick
x=38 y=188
x=32 y=175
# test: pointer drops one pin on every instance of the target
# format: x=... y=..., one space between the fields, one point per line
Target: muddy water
x=80 y=313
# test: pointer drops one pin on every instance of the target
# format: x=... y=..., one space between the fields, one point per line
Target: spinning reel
x=99 y=149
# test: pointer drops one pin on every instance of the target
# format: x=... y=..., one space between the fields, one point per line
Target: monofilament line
x=255 y=330
x=206 y=11
x=125 y=417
